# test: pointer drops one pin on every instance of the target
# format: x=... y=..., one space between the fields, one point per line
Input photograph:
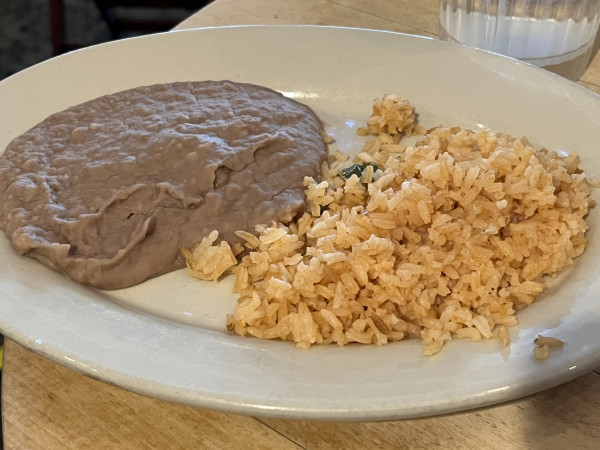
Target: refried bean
x=109 y=191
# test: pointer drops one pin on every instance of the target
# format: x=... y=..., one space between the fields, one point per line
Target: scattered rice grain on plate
x=543 y=346
x=439 y=240
x=541 y=352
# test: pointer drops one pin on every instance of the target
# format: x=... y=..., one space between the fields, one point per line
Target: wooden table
x=47 y=406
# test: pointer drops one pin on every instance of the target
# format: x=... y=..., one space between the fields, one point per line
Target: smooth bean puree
x=109 y=191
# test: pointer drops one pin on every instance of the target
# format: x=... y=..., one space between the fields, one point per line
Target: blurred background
x=34 y=30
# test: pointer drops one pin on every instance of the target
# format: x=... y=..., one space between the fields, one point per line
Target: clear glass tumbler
x=557 y=35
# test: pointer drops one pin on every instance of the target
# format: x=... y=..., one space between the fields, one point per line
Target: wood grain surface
x=46 y=406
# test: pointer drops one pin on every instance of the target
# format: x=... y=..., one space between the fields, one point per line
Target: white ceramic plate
x=166 y=337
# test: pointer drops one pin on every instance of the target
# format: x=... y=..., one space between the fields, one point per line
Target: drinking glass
x=557 y=35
